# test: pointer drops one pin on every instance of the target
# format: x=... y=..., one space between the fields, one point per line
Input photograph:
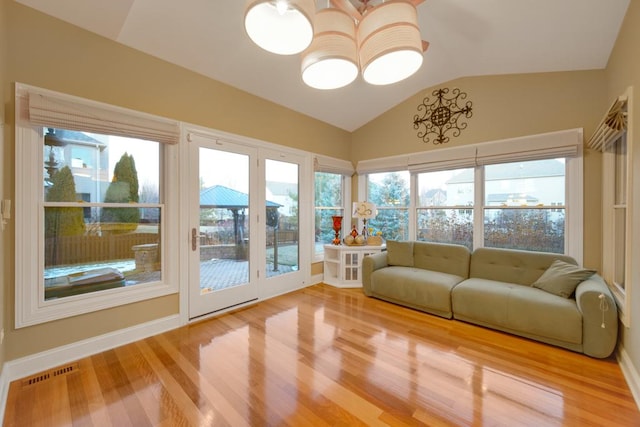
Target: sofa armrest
x=599 y=317
x=370 y=264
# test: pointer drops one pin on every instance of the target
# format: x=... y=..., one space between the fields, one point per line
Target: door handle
x=194 y=239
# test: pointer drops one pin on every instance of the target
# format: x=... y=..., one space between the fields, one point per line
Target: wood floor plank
x=225 y=413
x=328 y=356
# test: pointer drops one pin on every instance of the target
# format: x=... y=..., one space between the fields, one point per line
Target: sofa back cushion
x=512 y=266
x=400 y=253
x=442 y=257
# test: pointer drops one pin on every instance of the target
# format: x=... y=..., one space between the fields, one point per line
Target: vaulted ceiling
x=467 y=37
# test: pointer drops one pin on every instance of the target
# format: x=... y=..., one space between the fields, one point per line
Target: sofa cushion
x=425 y=290
x=562 y=278
x=442 y=257
x=400 y=253
x=522 y=309
x=512 y=266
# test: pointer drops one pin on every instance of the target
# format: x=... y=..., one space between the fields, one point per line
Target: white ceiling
x=468 y=38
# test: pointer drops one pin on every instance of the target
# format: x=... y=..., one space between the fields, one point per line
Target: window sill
x=88 y=302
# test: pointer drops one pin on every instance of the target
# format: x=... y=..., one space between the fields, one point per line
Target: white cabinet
x=343 y=264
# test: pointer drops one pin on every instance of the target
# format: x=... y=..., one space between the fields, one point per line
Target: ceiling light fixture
x=382 y=41
x=284 y=27
x=390 y=46
x=331 y=61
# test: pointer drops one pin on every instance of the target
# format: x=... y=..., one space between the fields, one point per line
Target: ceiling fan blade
x=425 y=45
x=348 y=7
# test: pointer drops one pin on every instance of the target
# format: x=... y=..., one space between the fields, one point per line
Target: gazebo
x=221 y=197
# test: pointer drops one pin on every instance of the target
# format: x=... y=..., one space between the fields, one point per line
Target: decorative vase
x=337 y=226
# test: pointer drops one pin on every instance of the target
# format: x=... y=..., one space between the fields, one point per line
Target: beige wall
x=506 y=106
x=6 y=246
x=58 y=56
x=622 y=71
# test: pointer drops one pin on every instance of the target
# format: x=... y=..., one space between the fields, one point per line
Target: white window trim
x=622 y=296
x=30 y=307
x=600 y=140
x=632 y=277
x=566 y=143
x=331 y=165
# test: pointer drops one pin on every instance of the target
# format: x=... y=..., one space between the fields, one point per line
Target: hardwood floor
x=327 y=356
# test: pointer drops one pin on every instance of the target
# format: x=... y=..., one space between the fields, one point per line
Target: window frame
x=567 y=144
x=617 y=123
x=420 y=207
x=336 y=166
x=610 y=243
x=30 y=306
x=409 y=209
x=541 y=208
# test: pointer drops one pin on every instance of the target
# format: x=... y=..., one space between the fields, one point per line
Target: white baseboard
x=630 y=373
x=29 y=365
x=317 y=278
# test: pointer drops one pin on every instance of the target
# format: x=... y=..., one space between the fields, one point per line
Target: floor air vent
x=65 y=370
x=45 y=376
x=36 y=379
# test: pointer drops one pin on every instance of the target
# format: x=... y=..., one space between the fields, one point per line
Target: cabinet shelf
x=343 y=264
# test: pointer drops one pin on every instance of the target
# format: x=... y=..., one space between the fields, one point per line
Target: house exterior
x=88 y=159
x=505 y=183
x=39 y=50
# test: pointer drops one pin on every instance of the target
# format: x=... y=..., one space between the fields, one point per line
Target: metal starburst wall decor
x=442 y=116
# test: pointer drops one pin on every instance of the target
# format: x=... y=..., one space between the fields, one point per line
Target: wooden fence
x=284 y=237
x=71 y=250
x=85 y=249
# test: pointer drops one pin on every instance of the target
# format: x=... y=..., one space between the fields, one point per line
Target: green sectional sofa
x=537 y=295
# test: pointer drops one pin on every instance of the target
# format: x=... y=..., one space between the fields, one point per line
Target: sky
x=145 y=153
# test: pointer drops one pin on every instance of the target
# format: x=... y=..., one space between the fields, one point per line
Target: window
x=112 y=239
x=615 y=216
x=92 y=206
x=612 y=137
x=328 y=202
x=444 y=211
x=506 y=194
x=619 y=152
x=332 y=183
x=390 y=192
x=524 y=205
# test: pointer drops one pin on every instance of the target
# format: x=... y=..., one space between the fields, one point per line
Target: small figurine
x=354 y=232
